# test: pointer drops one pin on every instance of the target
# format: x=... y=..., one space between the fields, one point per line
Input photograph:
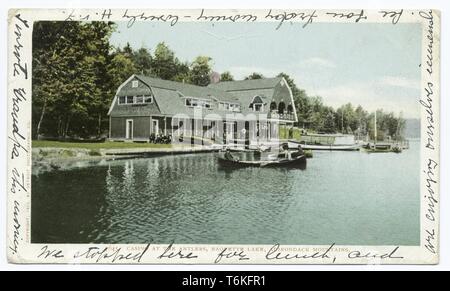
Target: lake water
x=351 y=198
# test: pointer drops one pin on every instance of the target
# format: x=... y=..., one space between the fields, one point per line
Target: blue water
x=351 y=198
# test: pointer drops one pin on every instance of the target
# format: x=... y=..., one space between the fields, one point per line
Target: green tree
x=329 y=124
x=226 y=76
x=120 y=68
x=200 y=71
x=164 y=63
x=69 y=76
x=362 y=119
x=143 y=61
x=46 y=63
x=128 y=50
x=254 y=76
x=182 y=72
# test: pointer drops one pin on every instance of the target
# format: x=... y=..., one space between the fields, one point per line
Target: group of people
x=160 y=138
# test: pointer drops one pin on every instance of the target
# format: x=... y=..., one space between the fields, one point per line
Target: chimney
x=214 y=77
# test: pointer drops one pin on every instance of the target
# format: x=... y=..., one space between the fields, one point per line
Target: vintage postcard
x=223 y=136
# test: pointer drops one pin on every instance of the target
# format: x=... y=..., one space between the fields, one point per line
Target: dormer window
x=257 y=104
x=134 y=84
x=197 y=102
x=229 y=106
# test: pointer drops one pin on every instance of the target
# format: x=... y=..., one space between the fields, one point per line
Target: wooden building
x=225 y=112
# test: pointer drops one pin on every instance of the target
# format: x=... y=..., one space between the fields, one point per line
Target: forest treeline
x=76 y=72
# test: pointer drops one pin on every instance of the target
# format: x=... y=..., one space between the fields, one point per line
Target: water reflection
x=349 y=198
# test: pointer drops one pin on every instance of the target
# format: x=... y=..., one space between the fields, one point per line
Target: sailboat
x=382 y=147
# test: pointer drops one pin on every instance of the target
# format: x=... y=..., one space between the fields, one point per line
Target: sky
x=373 y=65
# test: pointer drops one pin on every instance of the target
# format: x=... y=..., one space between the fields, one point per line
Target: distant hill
x=412 y=128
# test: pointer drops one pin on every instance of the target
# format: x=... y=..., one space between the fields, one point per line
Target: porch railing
x=281 y=116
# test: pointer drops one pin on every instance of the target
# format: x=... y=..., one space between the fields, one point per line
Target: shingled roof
x=254 y=84
x=188 y=89
x=168 y=95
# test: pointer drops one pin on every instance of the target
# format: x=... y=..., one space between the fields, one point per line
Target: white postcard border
x=20 y=250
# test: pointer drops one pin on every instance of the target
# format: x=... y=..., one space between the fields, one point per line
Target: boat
x=296 y=159
x=328 y=147
x=382 y=147
x=329 y=142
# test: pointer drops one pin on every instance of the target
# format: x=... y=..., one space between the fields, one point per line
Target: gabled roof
x=169 y=95
x=188 y=89
x=255 y=84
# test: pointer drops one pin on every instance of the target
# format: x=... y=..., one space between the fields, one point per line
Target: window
x=257 y=104
x=135 y=99
x=139 y=99
x=234 y=107
x=290 y=108
x=196 y=102
x=281 y=107
x=273 y=106
x=229 y=106
x=134 y=84
x=148 y=99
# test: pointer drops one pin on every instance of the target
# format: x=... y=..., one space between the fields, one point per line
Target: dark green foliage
x=76 y=73
x=226 y=76
x=200 y=71
x=254 y=76
x=314 y=115
x=71 y=87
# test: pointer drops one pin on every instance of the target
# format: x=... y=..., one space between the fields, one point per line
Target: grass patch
x=67 y=153
x=284 y=133
x=94 y=153
x=95 y=146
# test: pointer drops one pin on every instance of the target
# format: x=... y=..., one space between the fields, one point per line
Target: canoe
x=354 y=147
x=297 y=161
x=325 y=147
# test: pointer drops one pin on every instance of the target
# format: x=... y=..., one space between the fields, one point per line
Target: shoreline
x=60 y=158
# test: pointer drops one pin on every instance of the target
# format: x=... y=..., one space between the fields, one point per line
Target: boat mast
x=375 y=125
x=397 y=133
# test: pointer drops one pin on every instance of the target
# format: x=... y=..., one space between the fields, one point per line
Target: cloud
x=317 y=62
x=400 y=82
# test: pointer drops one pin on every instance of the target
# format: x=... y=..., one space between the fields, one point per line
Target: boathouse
x=225 y=112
